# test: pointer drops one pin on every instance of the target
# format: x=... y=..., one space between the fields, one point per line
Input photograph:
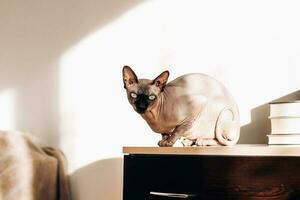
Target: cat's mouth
x=141 y=110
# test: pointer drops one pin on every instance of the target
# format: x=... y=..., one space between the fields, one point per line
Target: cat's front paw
x=165 y=143
x=160 y=143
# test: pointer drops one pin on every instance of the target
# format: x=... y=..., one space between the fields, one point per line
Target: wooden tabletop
x=236 y=150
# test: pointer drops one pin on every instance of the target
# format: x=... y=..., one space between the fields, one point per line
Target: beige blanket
x=28 y=172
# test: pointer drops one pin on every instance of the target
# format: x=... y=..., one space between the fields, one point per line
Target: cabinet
x=239 y=172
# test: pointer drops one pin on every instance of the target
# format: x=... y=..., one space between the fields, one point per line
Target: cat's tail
x=227 y=127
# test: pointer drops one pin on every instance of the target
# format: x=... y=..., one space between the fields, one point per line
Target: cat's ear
x=161 y=80
x=129 y=76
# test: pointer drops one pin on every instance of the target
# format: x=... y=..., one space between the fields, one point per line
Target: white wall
x=60 y=70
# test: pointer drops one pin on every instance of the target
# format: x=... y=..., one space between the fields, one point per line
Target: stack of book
x=285 y=123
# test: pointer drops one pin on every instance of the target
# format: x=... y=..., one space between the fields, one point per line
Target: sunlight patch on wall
x=7 y=109
x=96 y=118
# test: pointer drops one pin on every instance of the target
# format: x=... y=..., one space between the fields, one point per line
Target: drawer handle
x=175 y=195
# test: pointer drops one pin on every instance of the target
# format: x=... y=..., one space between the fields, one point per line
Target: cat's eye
x=151 y=97
x=133 y=95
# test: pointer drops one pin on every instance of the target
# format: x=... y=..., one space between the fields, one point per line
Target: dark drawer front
x=152 y=177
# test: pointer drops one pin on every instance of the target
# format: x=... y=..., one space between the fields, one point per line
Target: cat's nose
x=141 y=108
x=141 y=104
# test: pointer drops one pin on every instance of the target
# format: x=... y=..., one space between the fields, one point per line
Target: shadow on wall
x=260 y=126
x=34 y=35
x=99 y=180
